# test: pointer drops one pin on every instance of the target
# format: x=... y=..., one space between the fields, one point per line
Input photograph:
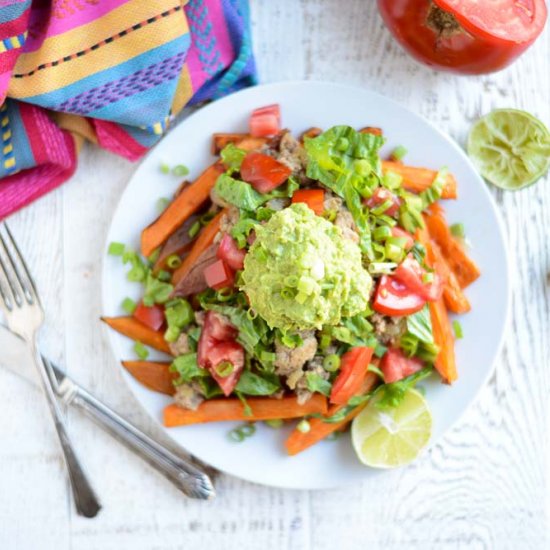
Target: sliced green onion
x=301 y=297
x=164 y=276
x=116 y=249
x=276 y=423
x=392 y=181
x=382 y=268
x=382 y=208
x=164 y=168
x=386 y=220
x=376 y=370
x=267 y=356
x=251 y=314
x=287 y=293
x=380 y=350
x=162 y=203
x=141 y=351
x=180 y=170
x=399 y=152
x=172 y=334
x=382 y=233
x=331 y=363
x=362 y=167
x=303 y=426
x=264 y=214
x=333 y=436
x=291 y=281
x=325 y=341
x=330 y=215
x=457 y=327
x=457 y=230
x=223 y=369
x=306 y=285
x=428 y=278
x=129 y=306
x=224 y=294
x=248 y=429
x=291 y=340
x=195 y=228
x=236 y=435
x=173 y=261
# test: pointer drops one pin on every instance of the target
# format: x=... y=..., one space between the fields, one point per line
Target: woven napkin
x=114 y=72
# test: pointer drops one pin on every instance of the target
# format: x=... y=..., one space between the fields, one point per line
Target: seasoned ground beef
x=388 y=330
x=289 y=361
x=189 y=396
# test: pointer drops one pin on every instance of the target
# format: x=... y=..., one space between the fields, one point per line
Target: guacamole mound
x=301 y=273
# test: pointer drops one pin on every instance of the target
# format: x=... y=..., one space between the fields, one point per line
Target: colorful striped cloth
x=114 y=72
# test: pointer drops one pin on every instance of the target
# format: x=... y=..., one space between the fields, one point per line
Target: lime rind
x=510 y=148
x=392 y=437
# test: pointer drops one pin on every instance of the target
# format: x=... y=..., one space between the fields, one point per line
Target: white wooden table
x=483 y=486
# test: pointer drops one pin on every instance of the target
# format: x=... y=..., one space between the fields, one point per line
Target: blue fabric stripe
x=56 y=97
x=14 y=11
x=22 y=149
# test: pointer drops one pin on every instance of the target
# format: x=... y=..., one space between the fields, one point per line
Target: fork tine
x=6 y=292
x=11 y=272
x=29 y=288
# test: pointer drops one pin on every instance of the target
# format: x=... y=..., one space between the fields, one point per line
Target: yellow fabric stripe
x=105 y=57
x=184 y=91
x=2 y=47
x=9 y=163
x=6 y=135
x=7 y=149
x=81 y=38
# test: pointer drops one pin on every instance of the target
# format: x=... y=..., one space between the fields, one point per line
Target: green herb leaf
x=393 y=394
x=316 y=383
x=187 y=368
x=399 y=152
x=129 y=306
x=138 y=271
x=180 y=170
x=156 y=291
x=239 y=193
x=420 y=325
x=434 y=192
x=457 y=327
x=458 y=230
x=253 y=384
x=232 y=157
x=179 y=314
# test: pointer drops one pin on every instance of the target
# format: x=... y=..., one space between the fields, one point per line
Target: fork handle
x=86 y=501
x=187 y=478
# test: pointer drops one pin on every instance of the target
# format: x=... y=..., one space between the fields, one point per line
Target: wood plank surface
x=483 y=486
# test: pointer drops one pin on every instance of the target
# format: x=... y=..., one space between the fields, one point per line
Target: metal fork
x=24 y=316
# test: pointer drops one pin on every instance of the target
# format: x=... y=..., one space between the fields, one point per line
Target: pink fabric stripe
x=65 y=19
x=55 y=155
x=113 y=138
x=198 y=75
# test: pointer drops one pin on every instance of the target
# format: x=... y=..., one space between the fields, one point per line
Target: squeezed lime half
x=392 y=437
x=510 y=148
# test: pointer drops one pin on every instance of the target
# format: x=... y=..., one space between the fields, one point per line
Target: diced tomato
x=219 y=275
x=152 y=317
x=219 y=328
x=352 y=373
x=230 y=253
x=380 y=196
x=314 y=198
x=233 y=353
x=411 y=274
x=265 y=121
x=393 y=298
x=263 y=172
x=401 y=233
x=216 y=345
x=396 y=365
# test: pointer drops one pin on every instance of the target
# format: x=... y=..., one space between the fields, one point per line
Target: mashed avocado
x=301 y=273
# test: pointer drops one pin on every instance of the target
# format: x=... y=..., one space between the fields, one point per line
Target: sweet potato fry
x=465 y=270
x=242 y=141
x=371 y=130
x=183 y=206
x=153 y=375
x=263 y=408
x=204 y=240
x=312 y=132
x=132 y=328
x=444 y=338
x=298 y=441
x=419 y=179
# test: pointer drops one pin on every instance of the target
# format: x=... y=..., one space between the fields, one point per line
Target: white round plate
x=262 y=458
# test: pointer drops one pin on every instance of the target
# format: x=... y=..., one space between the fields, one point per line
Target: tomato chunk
x=393 y=298
x=152 y=317
x=227 y=352
x=230 y=253
x=219 y=275
x=314 y=198
x=382 y=195
x=352 y=373
x=263 y=172
x=217 y=345
x=395 y=365
x=411 y=274
x=265 y=121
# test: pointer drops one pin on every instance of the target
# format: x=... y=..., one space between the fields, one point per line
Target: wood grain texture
x=483 y=486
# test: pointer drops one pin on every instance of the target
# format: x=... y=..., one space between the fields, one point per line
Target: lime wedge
x=510 y=148
x=392 y=437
